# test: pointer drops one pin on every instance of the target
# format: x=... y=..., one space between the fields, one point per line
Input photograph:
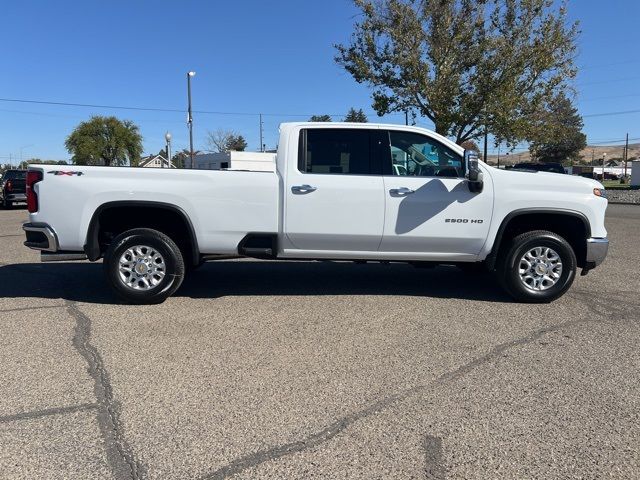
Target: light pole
x=167 y=137
x=604 y=156
x=190 y=117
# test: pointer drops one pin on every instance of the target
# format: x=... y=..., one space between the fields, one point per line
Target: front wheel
x=538 y=267
x=144 y=266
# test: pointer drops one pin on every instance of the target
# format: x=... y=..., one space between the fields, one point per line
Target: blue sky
x=254 y=56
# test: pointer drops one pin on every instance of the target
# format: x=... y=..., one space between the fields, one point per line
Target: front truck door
x=332 y=202
x=430 y=211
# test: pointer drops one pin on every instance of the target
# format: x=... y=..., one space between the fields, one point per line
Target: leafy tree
x=558 y=132
x=179 y=159
x=320 y=118
x=470 y=145
x=357 y=116
x=463 y=64
x=36 y=161
x=105 y=141
x=226 y=141
x=237 y=143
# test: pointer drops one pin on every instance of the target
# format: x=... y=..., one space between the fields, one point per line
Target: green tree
x=357 y=116
x=36 y=161
x=320 y=118
x=237 y=143
x=179 y=159
x=105 y=141
x=470 y=145
x=463 y=64
x=559 y=136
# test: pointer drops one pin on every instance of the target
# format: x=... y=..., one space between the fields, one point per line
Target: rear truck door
x=429 y=207
x=333 y=201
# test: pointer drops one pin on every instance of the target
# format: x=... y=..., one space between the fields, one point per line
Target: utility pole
x=486 y=137
x=498 y=155
x=261 y=145
x=190 y=117
x=626 y=154
x=406 y=117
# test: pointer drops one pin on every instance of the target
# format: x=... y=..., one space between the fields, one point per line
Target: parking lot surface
x=319 y=370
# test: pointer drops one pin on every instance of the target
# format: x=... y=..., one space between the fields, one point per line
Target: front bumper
x=40 y=236
x=597 y=249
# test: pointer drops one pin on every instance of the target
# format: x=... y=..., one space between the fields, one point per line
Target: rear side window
x=335 y=151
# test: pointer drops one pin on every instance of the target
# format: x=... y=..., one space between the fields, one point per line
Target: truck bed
x=221 y=205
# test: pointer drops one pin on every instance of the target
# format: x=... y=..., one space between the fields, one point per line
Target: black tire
x=159 y=243
x=508 y=268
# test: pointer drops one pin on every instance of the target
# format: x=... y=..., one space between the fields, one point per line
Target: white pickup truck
x=340 y=191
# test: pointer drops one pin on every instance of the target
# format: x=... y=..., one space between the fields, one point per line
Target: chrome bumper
x=597 y=249
x=40 y=236
x=16 y=197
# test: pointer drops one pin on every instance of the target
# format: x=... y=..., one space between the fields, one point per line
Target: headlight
x=600 y=192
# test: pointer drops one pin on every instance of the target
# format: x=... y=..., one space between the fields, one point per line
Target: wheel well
x=111 y=220
x=573 y=228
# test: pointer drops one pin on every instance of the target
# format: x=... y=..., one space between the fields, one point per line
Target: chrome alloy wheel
x=540 y=268
x=141 y=267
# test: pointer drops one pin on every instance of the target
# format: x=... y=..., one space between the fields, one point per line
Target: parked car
x=337 y=194
x=12 y=187
x=540 y=167
x=607 y=175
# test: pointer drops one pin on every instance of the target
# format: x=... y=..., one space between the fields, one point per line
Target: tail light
x=8 y=186
x=33 y=177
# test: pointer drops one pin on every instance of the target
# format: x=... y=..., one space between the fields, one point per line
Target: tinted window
x=15 y=174
x=335 y=151
x=417 y=155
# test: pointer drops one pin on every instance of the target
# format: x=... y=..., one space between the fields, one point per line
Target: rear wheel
x=144 y=266
x=538 y=267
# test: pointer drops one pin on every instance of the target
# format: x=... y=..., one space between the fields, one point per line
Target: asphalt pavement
x=258 y=369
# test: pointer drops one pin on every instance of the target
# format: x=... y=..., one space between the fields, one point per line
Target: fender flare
x=491 y=258
x=92 y=246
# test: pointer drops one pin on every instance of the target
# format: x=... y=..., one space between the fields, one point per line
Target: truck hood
x=547 y=182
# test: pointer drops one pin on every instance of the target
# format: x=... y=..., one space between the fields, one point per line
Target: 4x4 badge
x=62 y=172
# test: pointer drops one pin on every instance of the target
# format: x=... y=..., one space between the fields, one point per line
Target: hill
x=614 y=152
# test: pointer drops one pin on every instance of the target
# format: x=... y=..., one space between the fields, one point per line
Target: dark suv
x=13 y=187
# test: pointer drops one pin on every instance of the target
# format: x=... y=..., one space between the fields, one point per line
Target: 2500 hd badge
x=462 y=220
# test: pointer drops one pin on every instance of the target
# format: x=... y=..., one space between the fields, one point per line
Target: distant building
x=254 y=161
x=155 y=161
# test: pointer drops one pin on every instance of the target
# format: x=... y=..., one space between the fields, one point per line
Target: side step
x=62 y=256
x=259 y=245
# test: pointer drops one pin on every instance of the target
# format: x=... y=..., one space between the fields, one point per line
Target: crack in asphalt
x=120 y=456
x=47 y=412
x=329 y=432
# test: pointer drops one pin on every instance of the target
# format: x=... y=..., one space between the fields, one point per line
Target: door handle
x=303 y=189
x=401 y=191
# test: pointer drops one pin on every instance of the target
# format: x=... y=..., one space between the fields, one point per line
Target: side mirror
x=472 y=171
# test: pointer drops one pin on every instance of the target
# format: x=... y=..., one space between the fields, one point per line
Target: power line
x=609 y=114
x=170 y=110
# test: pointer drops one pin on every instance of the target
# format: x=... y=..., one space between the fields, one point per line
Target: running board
x=62 y=256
